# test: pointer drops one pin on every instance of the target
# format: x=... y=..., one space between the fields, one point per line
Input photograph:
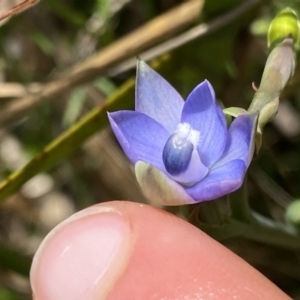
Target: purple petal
x=156 y=98
x=203 y=113
x=219 y=182
x=141 y=137
x=240 y=140
x=159 y=188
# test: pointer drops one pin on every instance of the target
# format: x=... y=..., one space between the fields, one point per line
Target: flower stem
x=239 y=204
x=261 y=230
x=273 y=233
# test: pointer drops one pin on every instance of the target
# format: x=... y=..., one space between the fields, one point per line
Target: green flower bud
x=278 y=70
x=292 y=214
x=286 y=23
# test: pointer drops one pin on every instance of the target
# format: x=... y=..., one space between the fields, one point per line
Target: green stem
x=250 y=225
x=70 y=140
x=239 y=204
x=261 y=229
x=273 y=233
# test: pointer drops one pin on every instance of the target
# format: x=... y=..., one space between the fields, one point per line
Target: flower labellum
x=182 y=151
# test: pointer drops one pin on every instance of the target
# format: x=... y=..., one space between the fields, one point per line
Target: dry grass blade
x=18 y=8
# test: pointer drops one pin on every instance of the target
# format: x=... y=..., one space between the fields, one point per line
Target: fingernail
x=82 y=257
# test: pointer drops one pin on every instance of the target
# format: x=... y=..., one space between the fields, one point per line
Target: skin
x=124 y=250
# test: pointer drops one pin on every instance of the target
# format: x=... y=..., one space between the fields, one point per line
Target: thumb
x=123 y=250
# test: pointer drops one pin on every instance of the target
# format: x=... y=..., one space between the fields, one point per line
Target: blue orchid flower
x=182 y=151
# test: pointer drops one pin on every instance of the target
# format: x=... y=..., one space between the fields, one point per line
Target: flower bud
x=285 y=24
x=292 y=214
x=278 y=70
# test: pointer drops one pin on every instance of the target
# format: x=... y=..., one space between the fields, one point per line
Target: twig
x=18 y=8
x=14 y=90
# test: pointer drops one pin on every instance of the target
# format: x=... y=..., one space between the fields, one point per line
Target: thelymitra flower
x=182 y=150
